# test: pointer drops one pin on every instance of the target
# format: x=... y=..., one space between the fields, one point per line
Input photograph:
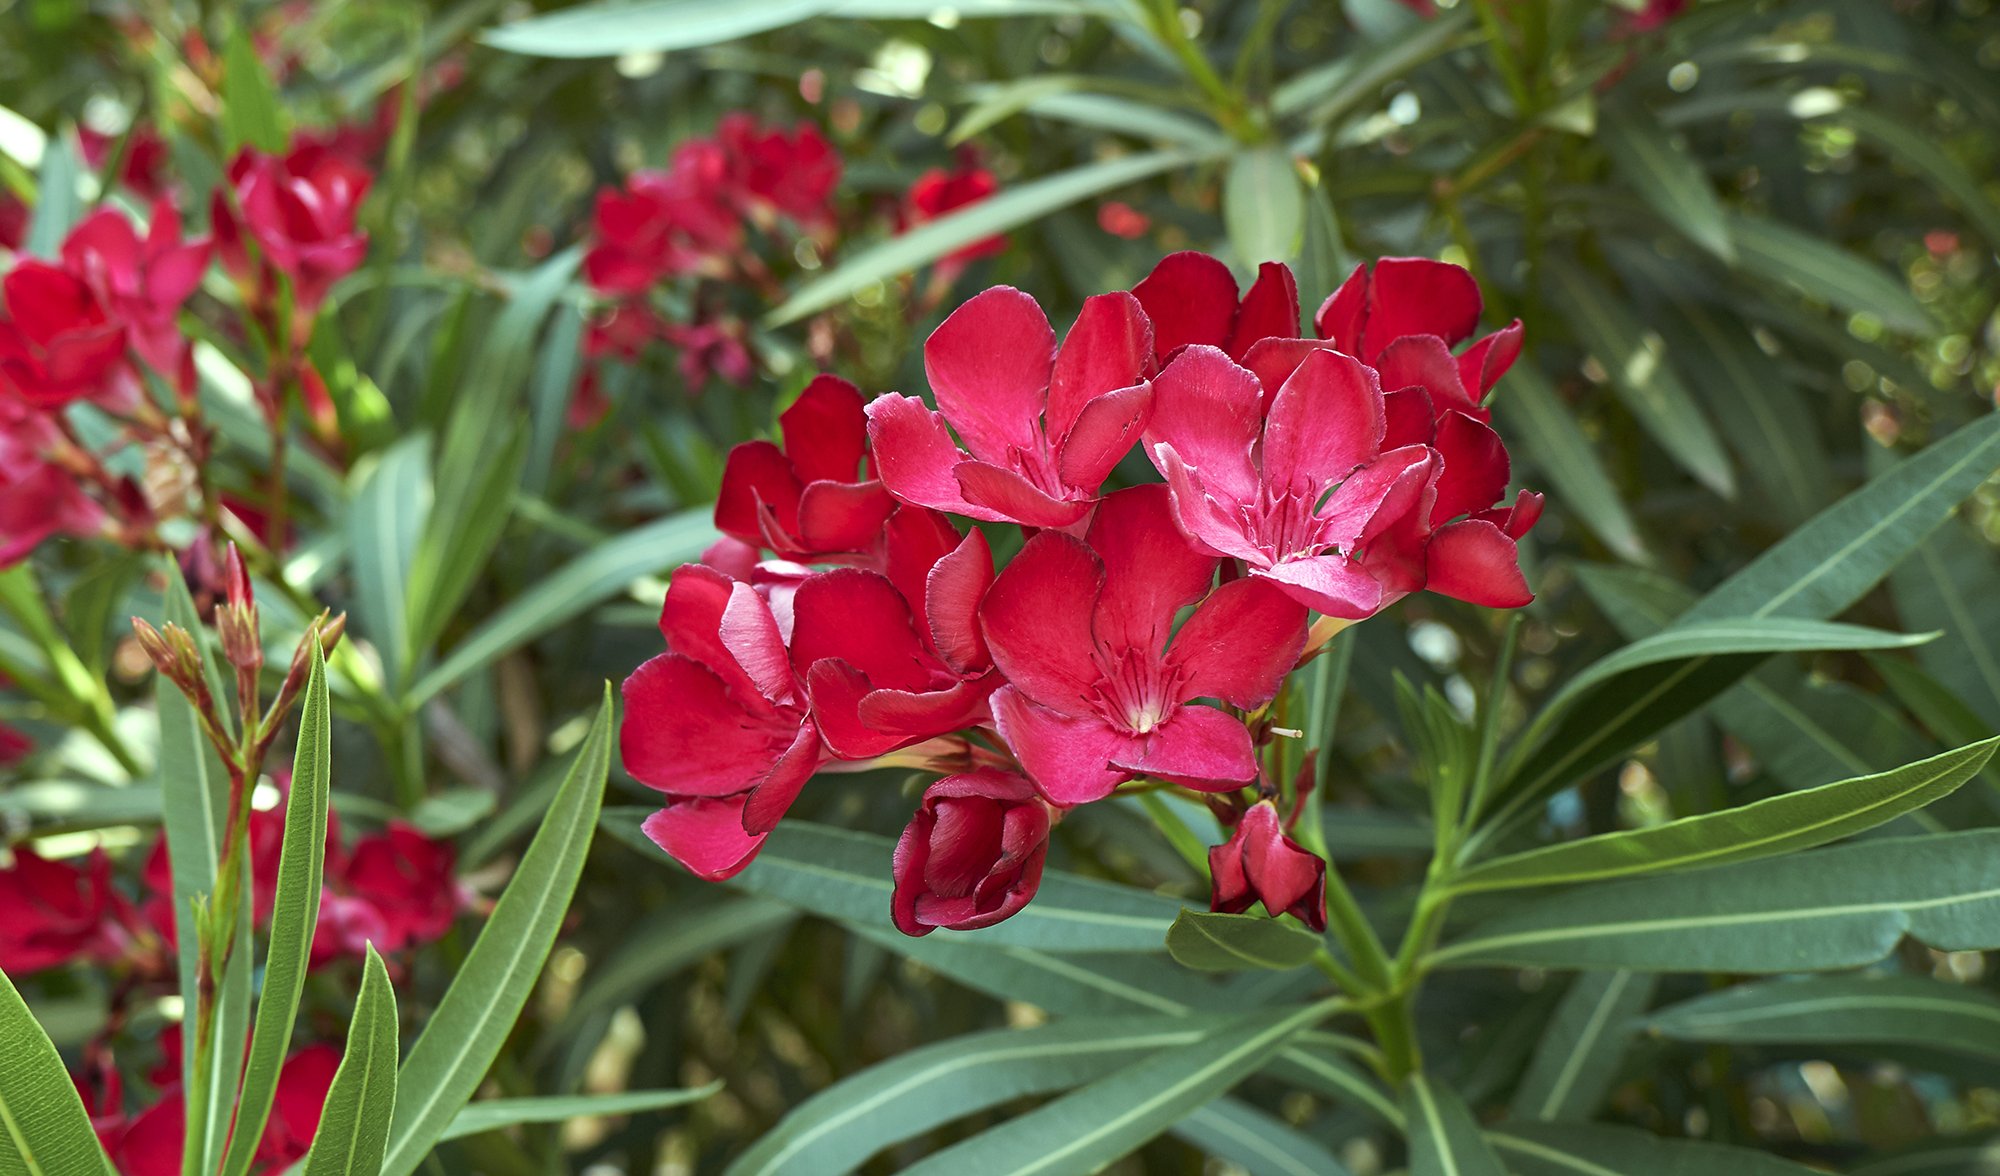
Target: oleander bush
x=1009 y=586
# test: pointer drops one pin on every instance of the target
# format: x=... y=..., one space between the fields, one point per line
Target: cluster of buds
x=1137 y=636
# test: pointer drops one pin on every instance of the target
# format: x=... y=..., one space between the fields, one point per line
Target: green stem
x=1227 y=103
x=1352 y=930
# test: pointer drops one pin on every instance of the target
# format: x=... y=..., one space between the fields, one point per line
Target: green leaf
x=1066 y=983
x=1666 y=176
x=478 y=1011
x=1831 y=562
x=252 y=114
x=1133 y=119
x=1953 y=583
x=354 y=1126
x=842 y=874
x=1263 y=205
x=1817 y=911
x=1550 y=439
x=1211 y=942
x=1577 y=1149
x=1840 y=1010
x=494 y=1114
x=1767 y=828
x=1961 y=1155
x=1579 y=1054
x=1921 y=154
x=1636 y=361
x=1327 y=92
x=662 y=26
x=1000 y=102
x=1822 y=270
x=571 y=590
x=1260 y=1144
x=294 y=915
x=842 y=1126
x=1444 y=1137
x=385 y=516
x=677 y=938
x=1015 y=206
x=43 y=1128
x=1088 y=1128
x=58 y=204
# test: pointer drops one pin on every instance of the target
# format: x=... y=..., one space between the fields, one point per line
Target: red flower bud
x=972 y=855
x=1260 y=864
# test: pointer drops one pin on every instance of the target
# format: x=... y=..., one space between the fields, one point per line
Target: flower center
x=1137 y=691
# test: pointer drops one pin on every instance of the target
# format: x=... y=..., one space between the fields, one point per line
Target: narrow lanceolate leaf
x=1578 y=1057
x=494 y=1114
x=58 y=204
x=840 y=1127
x=678 y=938
x=252 y=115
x=1015 y=206
x=1088 y=1128
x=1211 y=942
x=1953 y=583
x=1562 y=454
x=1818 y=911
x=571 y=590
x=1976 y=1154
x=1666 y=176
x=1840 y=1010
x=1066 y=983
x=43 y=1128
x=471 y=1023
x=1831 y=562
x=1263 y=205
x=1444 y=1137
x=1260 y=1144
x=354 y=1126
x=1780 y=824
x=1636 y=362
x=1822 y=270
x=662 y=26
x=844 y=875
x=294 y=915
x=1577 y=1149
x=384 y=519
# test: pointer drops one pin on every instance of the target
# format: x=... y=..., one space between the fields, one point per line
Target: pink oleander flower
x=794 y=173
x=1044 y=427
x=38 y=498
x=142 y=282
x=56 y=912
x=1260 y=864
x=299 y=213
x=937 y=192
x=972 y=855
x=1299 y=495
x=812 y=499
x=407 y=879
x=149 y=1143
x=1122 y=220
x=147 y=160
x=1101 y=686
x=719 y=723
x=662 y=224
x=1191 y=298
x=715 y=347
x=893 y=659
x=58 y=343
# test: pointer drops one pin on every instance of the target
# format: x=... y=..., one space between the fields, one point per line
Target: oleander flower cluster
x=857 y=613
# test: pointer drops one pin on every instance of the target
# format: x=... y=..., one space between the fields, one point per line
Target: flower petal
x=1375 y=495
x=1210 y=526
x=704 y=835
x=1103 y=433
x=1475 y=467
x=837 y=690
x=1269 y=311
x=1474 y=561
x=1331 y=584
x=858 y=616
x=684 y=731
x=1419 y=296
x=956 y=585
x=1001 y=493
x=1109 y=347
x=1483 y=363
x=1211 y=412
x=1150 y=571
x=1037 y=619
x=768 y=801
x=914 y=454
x=826 y=430
x=840 y=517
x=989 y=365
x=1197 y=747
x=1239 y=644
x=1069 y=759
x=1423 y=361
x=1327 y=419
x=1191 y=298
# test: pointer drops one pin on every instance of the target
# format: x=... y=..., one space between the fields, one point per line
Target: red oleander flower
x=794 y=172
x=58 y=343
x=142 y=282
x=1301 y=495
x=1097 y=691
x=299 y=212
x=149 y=1143
x=1405 y=315
x=1044 y=427
x=972 y=855
x=812 y=499
x=718 y=723
x=662 y=224
x=708 y=349
x=408 y=880
x=14 y=218
x=1191 y=298
x=38 y=498
x=1260 y=864
x=15 y=745
x=147 y=158
x=267 y=839
x=1122 y=220
x=56 y=912
x=891 y=660
x=937 y=192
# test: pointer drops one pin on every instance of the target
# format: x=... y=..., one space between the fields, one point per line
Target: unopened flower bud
x=155 y=646
x=240 y=593
x=236 y=618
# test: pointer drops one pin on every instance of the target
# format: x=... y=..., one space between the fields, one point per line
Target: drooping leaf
x=1263 y=206
x=494 y=1113
x=1766 y=828
x=1840 y=1010
x=43 y=1128
x=354 y=1124
x=465 y=1033
x=1580 y=1149
x=1444 y=1137
x=841 y=1126
x=294 y=916
x=1527 y=406
x=1578 y=1057
x=1088 y=1128
x=1823 y=270
x=1260 y=1144
x=58 y=204
x=1815 y=911
x=1953 y=583
x=1666 y=176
